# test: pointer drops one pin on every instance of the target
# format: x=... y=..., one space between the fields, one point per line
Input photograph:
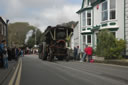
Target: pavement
x=123 y=62
x=5 y=73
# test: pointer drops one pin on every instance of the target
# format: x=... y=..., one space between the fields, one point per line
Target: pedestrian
x=22 y=53
x=5 y=58
x=75 y=53
x=78 y=53
x=89 y=52
x=16 y=53
x=9 y=54
x=3 y=53
x=84 y=54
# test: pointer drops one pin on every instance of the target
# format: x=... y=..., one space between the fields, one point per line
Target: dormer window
x=85 y=3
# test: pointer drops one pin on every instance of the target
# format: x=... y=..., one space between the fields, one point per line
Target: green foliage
x=105 y=41
x=118 y=50
x=108 y=46
x=17 y=33
x=31 y=41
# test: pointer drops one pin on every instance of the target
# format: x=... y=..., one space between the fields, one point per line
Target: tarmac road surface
x=37 y=72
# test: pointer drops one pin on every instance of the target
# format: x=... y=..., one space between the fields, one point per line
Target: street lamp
x=7 y=31
x=35 y=37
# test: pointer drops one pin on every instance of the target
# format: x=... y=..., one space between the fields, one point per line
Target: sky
x=40 y=13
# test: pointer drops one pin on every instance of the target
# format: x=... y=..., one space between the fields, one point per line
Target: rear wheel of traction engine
x=67 y=58
x=50 y=57
x=44 y=56
x=60 y=58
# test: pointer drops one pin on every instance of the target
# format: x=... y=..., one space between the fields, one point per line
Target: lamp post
x=7 y=31
x=35 y=37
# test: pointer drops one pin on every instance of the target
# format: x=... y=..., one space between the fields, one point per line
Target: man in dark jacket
x=2 y=51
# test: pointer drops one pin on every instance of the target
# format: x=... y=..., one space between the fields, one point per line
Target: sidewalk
x=4 y=73
x=123 y=62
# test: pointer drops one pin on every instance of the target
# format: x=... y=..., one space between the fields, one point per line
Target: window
x=84 y=39
x=83 y=19
x=4 y=31
x=88 y=38
x=104 y=11
x=114 y=34
x=89 y=17
x=112 y=9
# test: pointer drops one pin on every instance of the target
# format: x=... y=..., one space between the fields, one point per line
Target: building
x=96 y=15
x=3 y=30
x=76 y=34
x=126 y=24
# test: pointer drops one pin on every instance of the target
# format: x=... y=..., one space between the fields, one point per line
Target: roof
x=93 y=3
x=3 y=20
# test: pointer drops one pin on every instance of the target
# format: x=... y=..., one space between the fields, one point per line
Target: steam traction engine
x=56 y=43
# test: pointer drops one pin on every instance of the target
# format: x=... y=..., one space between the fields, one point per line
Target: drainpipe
x=125 y=28
x=7 y=32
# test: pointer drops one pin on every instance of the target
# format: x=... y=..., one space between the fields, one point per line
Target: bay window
x=108 y=10
x=112 y=9
x=104 y=11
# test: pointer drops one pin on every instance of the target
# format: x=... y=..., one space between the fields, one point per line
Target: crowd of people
x=7 y=53
x=86 y=55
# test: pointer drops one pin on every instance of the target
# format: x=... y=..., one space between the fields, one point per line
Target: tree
x=108 y=46
x=106 y=41
x=17 y=33
x=31 y=40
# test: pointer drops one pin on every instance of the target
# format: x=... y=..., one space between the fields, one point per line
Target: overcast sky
x=40 y=13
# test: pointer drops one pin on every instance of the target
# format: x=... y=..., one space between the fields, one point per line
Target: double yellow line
x=15 y=80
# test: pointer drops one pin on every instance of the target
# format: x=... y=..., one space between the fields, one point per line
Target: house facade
x=126 y=24
x=3 y=30
x=96 y=15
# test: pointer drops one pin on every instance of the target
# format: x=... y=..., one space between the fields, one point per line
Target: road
x=38 y=72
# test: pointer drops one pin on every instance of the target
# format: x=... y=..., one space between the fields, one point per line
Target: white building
x=96 y=15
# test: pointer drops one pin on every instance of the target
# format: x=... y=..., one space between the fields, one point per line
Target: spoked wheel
x=44 y=56
x=50 y=58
